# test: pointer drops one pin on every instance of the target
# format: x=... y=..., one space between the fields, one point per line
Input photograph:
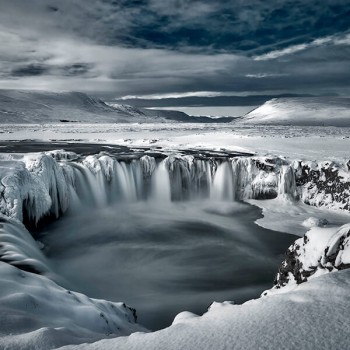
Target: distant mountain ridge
x=301 y=111
x=31 y=107
x=198 y=101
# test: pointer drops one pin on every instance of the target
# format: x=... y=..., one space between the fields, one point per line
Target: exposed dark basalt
x=292 y=265
x=325 y=179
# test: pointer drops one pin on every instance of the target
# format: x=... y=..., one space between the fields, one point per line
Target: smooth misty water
x=166 y=258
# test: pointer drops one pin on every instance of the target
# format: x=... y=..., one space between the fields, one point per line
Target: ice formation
x=42 y=184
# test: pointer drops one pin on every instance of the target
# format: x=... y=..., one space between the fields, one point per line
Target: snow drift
x=302 y=111
x=38 y=314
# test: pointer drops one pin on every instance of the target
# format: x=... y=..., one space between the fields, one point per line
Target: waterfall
x=46 y=184
x=161 y=191
x=287 y=187
x=222 y=188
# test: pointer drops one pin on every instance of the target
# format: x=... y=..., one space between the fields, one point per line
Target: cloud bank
x=162 y=47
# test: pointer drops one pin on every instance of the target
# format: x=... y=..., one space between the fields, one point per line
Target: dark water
x=166 y=258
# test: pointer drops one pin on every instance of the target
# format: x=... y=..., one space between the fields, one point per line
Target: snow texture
x=38 y=314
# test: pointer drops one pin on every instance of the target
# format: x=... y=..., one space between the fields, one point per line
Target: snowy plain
x=306 y=143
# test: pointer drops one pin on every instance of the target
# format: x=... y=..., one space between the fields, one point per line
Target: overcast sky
x=174 y=47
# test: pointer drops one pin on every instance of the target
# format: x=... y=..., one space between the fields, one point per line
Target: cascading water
x=222 y=187
x=100 y=181
x=161 y=190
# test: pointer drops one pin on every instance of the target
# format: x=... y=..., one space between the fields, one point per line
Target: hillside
x=302 y=111
x=31 y=107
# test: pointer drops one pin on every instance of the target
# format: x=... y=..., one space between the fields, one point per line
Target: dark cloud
x=75 y=69
x=162 y=46
x=29 y=70
x=230 y=25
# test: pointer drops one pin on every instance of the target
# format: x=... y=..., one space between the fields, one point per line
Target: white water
x=102 y=181
x=161 y=190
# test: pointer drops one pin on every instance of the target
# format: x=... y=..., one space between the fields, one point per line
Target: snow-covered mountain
x=25 y=106
x=302 y=111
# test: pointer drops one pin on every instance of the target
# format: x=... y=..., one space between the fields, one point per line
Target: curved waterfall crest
x=48 y=183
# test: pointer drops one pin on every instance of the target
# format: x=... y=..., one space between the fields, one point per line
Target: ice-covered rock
x=315 y=222
x=35 y=185
x=320 y=251
x=324 y=184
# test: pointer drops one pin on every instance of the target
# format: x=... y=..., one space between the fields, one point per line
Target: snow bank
x=18 y=248
x=285 y=321
x=38 y=314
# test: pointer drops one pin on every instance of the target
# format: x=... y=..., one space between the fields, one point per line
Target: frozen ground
x=309 y=143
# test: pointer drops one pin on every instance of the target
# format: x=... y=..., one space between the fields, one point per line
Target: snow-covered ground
x=309 y=143
x=36 y=313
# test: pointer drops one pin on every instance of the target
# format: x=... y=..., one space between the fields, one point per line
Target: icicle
x=148 y=165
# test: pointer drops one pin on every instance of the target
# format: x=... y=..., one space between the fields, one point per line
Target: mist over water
x=164 y=257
